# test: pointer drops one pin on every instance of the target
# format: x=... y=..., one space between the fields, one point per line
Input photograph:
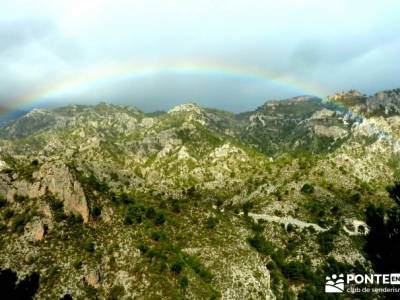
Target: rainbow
x=137 y=71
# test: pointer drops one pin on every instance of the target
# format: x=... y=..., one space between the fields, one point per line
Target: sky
x=232 y=55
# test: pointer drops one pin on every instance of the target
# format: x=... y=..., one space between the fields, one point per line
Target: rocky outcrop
x=330 y=131
x=3 y=165
x=92 y=278
x=35 y=230
x=355 y=227
x=388 y=101
x=148 y=122
x=183 y=153
x=322 y=114
x=228 y=150
x=187 y=107
x=344 y=95
x=56 y=179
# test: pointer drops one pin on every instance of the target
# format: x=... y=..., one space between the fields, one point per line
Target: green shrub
x=326 y=241
x=88 y=245
x=116 y=292
x=259 y=243
x=57 y=207
x=91 y=292
x=156 y=235
x=257 y=227
x=160 y=218
x=307 y=188
x=94 y=183
x=74 y=219
x=177 y=266
x=125 y=199
x=247 y=207
x=54 y=271
x=18 y=223
x=128 y=220
x=183 y=281
x=139 y=219
x=175 y=206
x=290 y=227
x=355 y=197
x=56 y=204
x=77 y=264
x=333 y=266
x=143 y=248
x=3 y=201
x=279 y=258
x=194 y=263
x=8 y=213
x=296 y=271
x=310 y=293
x=96 y=211
x=156 y=253
x=211 y=222
x=134 y=213
x=114 y=176
x=19 y=198
x=150 y=213
x=288 y=294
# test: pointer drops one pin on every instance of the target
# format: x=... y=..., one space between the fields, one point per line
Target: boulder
x=92 y=278
x=35 y=230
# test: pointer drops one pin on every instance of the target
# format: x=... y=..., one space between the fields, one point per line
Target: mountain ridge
x=196 y=203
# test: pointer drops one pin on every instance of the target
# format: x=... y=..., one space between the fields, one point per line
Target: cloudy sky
x=227 y=54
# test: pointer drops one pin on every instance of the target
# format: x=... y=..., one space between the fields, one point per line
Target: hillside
x=109 y=202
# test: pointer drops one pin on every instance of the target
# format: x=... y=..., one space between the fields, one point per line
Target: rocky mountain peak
x=386 y=101
x=344 y=95
x=37 y=112
x=186 y=107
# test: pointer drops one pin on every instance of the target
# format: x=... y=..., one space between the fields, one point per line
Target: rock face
x=388 y=101
x=56 y=179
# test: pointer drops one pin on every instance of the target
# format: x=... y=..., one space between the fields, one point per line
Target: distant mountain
x=382 y=103
x=109 y=202
x=8 y=116
x=300 y=123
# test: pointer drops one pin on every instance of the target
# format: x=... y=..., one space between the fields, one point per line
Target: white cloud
x=316 y=41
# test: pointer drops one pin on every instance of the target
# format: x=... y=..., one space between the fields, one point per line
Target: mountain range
x=108 y=202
